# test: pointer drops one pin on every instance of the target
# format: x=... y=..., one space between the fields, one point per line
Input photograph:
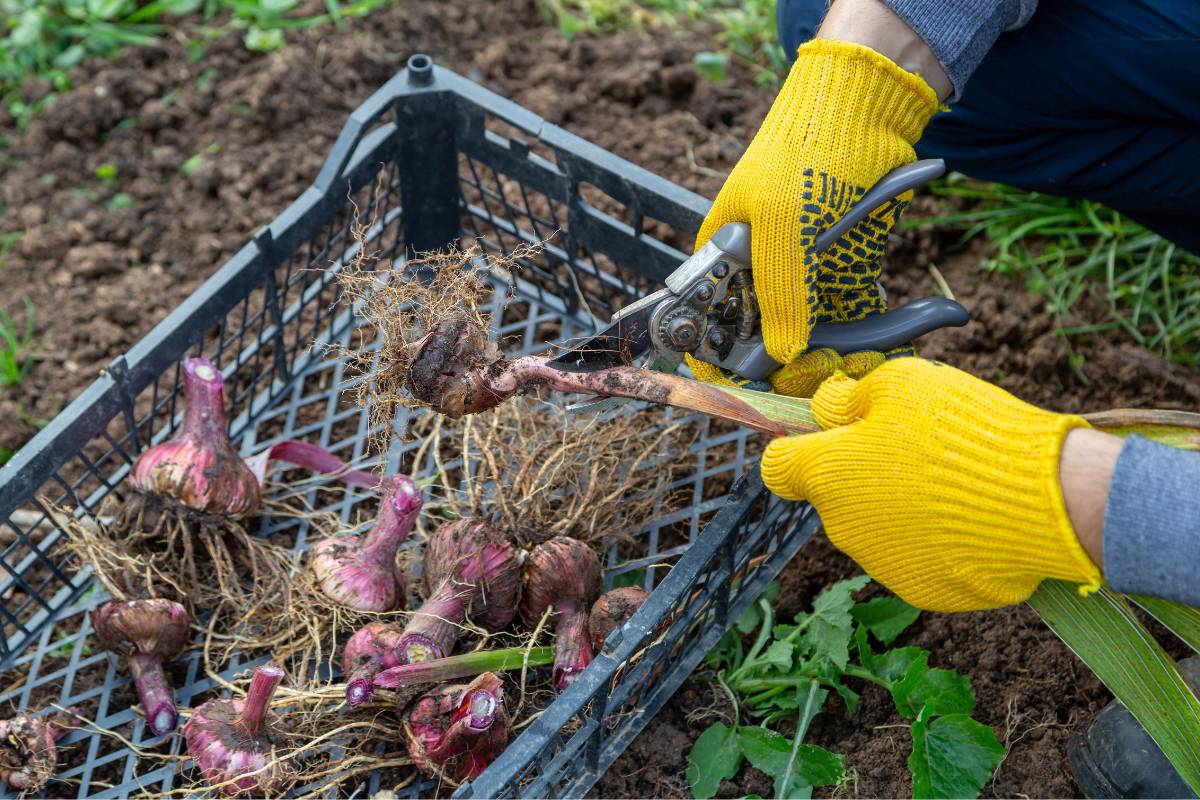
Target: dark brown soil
x=99 y=276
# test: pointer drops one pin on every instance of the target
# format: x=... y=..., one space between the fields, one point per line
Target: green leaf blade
x=716 y=756
x=885 y=617
x=933 y=692
x=952 y=756
x=1102 y=630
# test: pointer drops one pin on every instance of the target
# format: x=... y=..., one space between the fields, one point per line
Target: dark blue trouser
x=1095 y=99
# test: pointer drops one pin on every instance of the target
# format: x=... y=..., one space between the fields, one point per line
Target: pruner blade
x=624 y=340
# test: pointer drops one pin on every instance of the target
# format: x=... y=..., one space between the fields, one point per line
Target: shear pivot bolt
x=704 y=292
x=720 y=269
x=682 y=332
x=716 y=339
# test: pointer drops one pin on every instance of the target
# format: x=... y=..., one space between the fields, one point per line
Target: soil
x=102 y=263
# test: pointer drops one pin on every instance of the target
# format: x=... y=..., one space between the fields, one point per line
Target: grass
x=15 y=346
x=45 y=38
x=1068 y=250
x=745 y=28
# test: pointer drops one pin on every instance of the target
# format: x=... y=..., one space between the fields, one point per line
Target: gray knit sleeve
x=960 y=32
x=1152 y=523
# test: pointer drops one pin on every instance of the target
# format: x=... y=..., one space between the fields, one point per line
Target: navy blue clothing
x=1094 y=99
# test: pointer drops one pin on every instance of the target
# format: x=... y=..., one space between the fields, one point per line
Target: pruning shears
x=708 y=307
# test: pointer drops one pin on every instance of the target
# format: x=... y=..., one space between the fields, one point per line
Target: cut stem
x=155 y=693
x=638 y=384
x=258 y=697
x=463 y=666
x=311 y=457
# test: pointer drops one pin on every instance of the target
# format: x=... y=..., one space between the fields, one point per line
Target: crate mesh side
x=283 y=381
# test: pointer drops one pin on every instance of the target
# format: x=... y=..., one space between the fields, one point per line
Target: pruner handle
x=879 y=332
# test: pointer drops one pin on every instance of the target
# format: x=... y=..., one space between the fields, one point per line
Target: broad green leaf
x=192 y=165
x=809 y=700
x=819 y=767
x=748 y=620
x=27 y=30
x=952 y=756
x=711 y=65
x=779 y=655
x=715 y=757
x=833 y=605
x=886 y=617
x=895 y=664
x=829 y=642
x=1102 y=630
x=1184 y=621
x=771 y=753
x=262 y=40
x=848 y=695
x=932 y=693
x=865 y=656
x=783 y=631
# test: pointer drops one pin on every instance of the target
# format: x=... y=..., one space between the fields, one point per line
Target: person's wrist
x=1085 y=473
x=872 y=24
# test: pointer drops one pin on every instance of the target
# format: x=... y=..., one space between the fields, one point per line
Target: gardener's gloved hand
x=844 y=117
x=943 y=487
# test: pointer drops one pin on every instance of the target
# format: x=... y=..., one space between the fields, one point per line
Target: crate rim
x=130 y=373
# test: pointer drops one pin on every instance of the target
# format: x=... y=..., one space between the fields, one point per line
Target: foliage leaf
x=715 y=757
x=1184 y=621
x=933 y=692
x=895 y=664
x=952 y=756
x=1102 y=630
x=770 y=752
x=712 y=65
x=833 y=605
x=885 y=617
x=830 y=642
x=779 y=655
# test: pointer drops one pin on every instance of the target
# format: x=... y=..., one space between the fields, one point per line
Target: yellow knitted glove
x=943 y=487
x=845 y=116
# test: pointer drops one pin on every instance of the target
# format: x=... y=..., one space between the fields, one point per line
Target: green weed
x=7 y=240
x=1069 y=249
x=745 y=28
x=790 y=671
x=47 y=37
x=64 y=647
x=15 y=345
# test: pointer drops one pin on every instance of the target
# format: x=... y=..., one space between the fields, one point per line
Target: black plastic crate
x=434 y=159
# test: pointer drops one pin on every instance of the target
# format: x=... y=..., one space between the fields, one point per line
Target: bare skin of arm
x=874 y=25
x=1085 y=472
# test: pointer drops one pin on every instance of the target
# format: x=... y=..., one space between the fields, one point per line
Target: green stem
x=801 y=730
x=764 y=633
x=463 y=666
x=753 y=684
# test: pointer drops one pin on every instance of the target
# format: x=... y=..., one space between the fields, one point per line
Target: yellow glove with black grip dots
x=845 y=117
x=943 y=487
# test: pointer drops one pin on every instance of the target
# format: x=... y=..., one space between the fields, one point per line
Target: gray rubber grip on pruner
x=891 y=185
x=893 y=328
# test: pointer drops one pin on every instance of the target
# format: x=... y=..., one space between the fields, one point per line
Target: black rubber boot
x=1115 y=758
